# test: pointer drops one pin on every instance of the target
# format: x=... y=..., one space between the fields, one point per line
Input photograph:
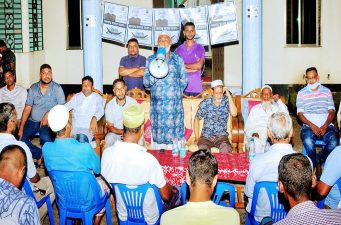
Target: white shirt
x=17 y=97
x=84 y=108
x=264 y=167
x=339 y=115
x=131 y=164
x=257 y=121
x=114 y=111
x=9 y=139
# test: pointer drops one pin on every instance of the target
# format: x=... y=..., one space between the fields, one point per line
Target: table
x=231 y=166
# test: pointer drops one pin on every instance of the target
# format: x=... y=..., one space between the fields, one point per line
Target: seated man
x=88 y=108
x=257 y=121
x=16 y=207
x=13 y=93
x=201 y=177
x=295 y=181
x=327 y=184
x=316 y=110
x=67 y=154
x=215 y=112
x=114 y=112
x=264 y=167
x=127 y=162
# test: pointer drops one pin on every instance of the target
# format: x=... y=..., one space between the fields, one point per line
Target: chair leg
x=108 y=212
x=50 y=211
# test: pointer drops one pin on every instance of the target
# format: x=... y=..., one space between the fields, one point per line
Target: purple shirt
x=192 y=55
x=138 y=61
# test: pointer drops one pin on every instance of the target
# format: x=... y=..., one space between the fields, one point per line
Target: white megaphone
x=158 y=68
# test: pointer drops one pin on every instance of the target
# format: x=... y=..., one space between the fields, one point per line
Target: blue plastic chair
x=319 y=143
x=133 y=198
x=79 y=196
x=278 y=211
x=46 y=199
x=219 y=190
x=320 y=204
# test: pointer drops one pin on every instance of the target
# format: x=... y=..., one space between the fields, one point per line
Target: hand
x=323 y=130
x=93 y=125
x=44 y=121
x=276 y=97
x=315 y=129
x=20 y=132
x=256 y=135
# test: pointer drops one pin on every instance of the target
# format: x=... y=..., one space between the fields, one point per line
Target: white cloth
x=339 y=116
x=9 y=139
x=264 y=167
x=257 y=121
x=84 y=108
x=129 y=163
x=114 y=116
x=17 y=97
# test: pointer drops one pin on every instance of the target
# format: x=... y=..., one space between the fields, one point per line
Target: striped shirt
x=307 y=213
x=315 y=104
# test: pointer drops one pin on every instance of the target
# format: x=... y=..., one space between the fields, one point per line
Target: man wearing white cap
x=215 y=112
x=67 y=154
x=257 y=121
x=127 y=162
x=166 y=108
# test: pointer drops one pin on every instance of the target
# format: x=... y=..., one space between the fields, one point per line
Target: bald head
x=13 y=163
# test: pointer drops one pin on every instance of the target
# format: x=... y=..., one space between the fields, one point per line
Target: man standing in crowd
x=114 y=112
x=201 y=177
x=42 y=96
x=132 y=66
x=88 y=108
x=16 y=207
x=166 y=108
x=127 y=162
x=257 y=121
x=13 y=93
x=8 y=57
x=193 y=55
x=215 y=112
x=264 y=167
x=316 y=110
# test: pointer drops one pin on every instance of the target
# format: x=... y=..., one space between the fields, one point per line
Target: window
x=74 y=24
x=303 y=23
x=10 y=24
x=35 y=19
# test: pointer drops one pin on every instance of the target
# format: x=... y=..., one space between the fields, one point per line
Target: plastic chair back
x=46 y=199
x=133 y=198
x=319 y=143
x=278 y=211
x=320 y=204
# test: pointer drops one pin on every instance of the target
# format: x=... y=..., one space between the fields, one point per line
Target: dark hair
x=11 y=148
x=6 y=113
x=45 y=66
x=132 y=130
x=295 y=172
x=2 y=43
x=202 y=167
x=132 y=40
x=189 y=24
x=118 y=80
x=311 y=69
x=89 y=78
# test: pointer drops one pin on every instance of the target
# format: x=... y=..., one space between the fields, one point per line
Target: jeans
x=331 y=138
x=30 y=130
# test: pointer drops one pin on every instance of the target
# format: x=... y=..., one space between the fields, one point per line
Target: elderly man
x=127 y=162
x=316 y=110
x=166 y=108
x=264 y=167
x=202 y=178
x=295 y=181
x=88 y=108
x=42 y=96
x=17 y=207
x=114 y=112
x=215 y=112
x=257 y=120
x=193 y=55
x=13 y=93
x=67 y=154
x=132 y=66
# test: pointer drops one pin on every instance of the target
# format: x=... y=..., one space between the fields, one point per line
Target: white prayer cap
x=165 y=33
x=216 y=83
x=133 y=116
x=266 y=86
x=58 y=117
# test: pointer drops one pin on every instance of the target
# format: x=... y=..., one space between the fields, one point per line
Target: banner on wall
x=115 y=22
x=167 y=20
x=140 y=25
x=197 y=15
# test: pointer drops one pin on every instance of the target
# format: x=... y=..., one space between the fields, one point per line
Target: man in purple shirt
x=193 y=55
x=132 y=66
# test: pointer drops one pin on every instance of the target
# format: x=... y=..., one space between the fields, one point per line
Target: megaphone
x=158 y=68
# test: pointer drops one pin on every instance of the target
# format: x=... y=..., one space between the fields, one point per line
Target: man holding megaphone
x=166 y=77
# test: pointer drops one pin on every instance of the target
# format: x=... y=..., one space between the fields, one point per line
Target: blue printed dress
x=166 y=108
